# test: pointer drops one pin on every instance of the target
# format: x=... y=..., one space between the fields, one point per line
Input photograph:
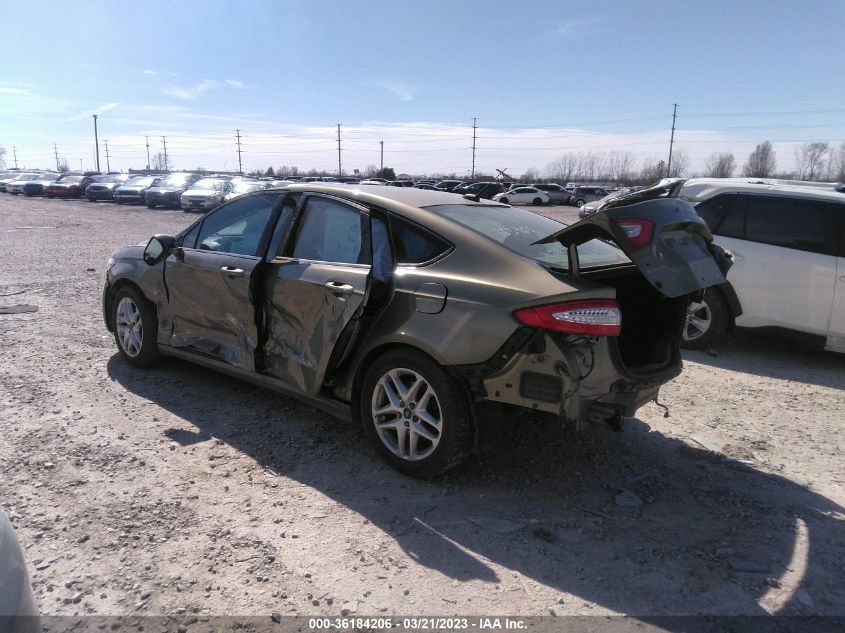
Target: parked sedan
x=68 y=186
x=242 y=187
x=103 y=187
x=168 y=191
x=35 y=187
x=18 y=608
x=205 y=194
x=134 y=190
x=429 y=317
x=522 y=195
x=15 y=185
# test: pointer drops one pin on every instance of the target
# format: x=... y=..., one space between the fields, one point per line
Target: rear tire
x=151 y=205
x=135 y=327
x=415 y=414
x=706 y=321
x=580 y=203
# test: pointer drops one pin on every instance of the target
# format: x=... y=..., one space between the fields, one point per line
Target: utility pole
x=474 y=128
x=164 y=142
x=56 y=154
x=15 y=154
x=339 y=167
x=80 y=164
x=240 y=166
x=96 y=142
x=148 y=152
x=108 y=165
x=671 y=141
x=381 y=170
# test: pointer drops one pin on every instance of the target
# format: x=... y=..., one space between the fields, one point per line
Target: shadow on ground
x=706 y=539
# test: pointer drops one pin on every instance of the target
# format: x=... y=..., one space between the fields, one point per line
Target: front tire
x=151 y=205
x=706 y=321
x=135 y=327
x=415 y=414
x=503 y=200
x=537 y=202
x=580 y=203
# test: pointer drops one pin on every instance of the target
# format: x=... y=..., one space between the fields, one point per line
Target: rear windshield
x=141 y=181
x=175 y=180
x=209 y=183
x=518 y=229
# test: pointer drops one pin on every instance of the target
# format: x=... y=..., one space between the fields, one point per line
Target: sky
x=541 y=78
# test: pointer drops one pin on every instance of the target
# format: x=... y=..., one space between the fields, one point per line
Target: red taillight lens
x=596 y=318
x=638 y=232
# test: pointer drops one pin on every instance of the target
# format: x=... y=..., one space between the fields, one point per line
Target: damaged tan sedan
x=432 y=318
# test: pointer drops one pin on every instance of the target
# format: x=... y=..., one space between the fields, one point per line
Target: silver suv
x=582 y=195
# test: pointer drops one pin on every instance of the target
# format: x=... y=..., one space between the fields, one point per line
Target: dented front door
x=314 y=290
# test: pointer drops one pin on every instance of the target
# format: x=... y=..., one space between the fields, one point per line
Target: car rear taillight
x=638 y=232
x=600 y=317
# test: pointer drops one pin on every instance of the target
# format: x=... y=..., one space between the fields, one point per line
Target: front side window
x=331 y=231
x=237 y=227
x=715 y=210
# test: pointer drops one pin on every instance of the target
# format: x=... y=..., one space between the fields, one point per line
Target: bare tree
x=652 y=171
x=720 y=165
x=837 y=171
x=761 y=162
x=680 y=163
x=620 y=165
x=532 y=174
x=158 y=163
x=810 y=159
x=62 y=165
x=564 y=168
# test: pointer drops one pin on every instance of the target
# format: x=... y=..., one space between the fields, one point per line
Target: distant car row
x=190 y=191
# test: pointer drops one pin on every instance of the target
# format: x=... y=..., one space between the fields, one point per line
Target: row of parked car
x=190 y=191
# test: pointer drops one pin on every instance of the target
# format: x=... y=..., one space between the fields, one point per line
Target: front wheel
x=151 y=204
x=135 y=327
x=503 y=200
x=415 y=414
x=537 y=202
x=706 y=320
x=580 y=203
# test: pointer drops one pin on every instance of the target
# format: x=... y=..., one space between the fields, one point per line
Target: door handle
x=232 y=271
x=338 y=288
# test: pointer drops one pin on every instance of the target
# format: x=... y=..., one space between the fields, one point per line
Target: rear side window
x=716 y=209
x=786 y=222
x=331 y=232
x=415 y=245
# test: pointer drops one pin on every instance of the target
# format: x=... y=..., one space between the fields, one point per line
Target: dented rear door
x=667 y=240
x=315 y=289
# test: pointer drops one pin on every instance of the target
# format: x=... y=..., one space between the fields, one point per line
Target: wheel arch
x=731 y=300
x=111 y=292
x=370 y=357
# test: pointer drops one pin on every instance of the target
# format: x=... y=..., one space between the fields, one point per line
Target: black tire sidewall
x=456 y=433
x=149 y=353
x=719 y=319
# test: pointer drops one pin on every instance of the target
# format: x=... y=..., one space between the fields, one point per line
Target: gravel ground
x=178 y=490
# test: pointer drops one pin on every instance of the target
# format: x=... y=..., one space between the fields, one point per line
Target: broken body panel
x=310 y=328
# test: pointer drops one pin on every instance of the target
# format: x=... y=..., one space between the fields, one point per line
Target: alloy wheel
x=698 y=321
x=130 y=327
x=407 y=414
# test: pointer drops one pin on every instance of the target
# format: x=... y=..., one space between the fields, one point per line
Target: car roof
x=698 y=189
x=381 y=196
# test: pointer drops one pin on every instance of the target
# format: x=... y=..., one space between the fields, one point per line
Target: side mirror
x=159 y=247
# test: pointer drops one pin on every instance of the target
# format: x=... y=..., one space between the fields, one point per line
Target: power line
x=148 y=151
x=240 y=167
x=339 y=166
x=672 y=141
x=56 y=152
x=474 y=137
x=164 y=143
x=108 y=165
x=15 y=154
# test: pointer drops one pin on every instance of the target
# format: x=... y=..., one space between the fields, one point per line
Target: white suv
x=788 y=242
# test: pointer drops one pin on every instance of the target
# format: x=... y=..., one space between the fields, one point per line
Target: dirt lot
x=177 y=490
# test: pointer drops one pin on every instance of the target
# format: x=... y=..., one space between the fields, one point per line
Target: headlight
x=110 y=262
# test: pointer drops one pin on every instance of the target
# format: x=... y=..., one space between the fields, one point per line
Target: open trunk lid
x=663 y=235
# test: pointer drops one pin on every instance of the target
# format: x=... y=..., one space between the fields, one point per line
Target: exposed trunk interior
x=651 y=323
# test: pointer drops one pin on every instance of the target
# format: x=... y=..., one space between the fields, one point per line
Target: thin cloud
x=189 y=93
x=149 y=72
x=574 y=28
x=236 y=83
x=405 y=92
x=13 y=91
x=103 y=108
